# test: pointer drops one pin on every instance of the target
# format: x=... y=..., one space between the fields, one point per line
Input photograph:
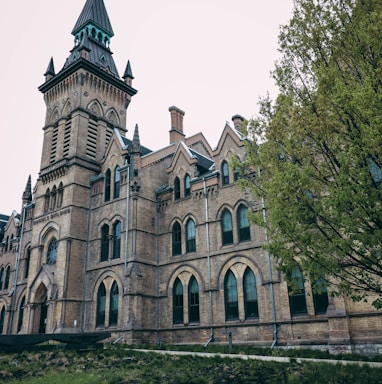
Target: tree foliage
x=319 y=147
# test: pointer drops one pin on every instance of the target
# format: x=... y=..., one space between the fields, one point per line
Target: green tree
x=319 y=147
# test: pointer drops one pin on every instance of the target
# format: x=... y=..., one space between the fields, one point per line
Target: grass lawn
x=124 y=366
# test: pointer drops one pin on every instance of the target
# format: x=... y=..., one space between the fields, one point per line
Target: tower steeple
x=27 y=194
x=94 y=21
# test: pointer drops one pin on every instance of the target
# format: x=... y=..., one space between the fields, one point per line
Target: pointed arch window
x=176 y=239
x=60 y=195
x=187 y=186
x=21 y=315
x=177 y=294
x=193 y=300
x=11 y=243
x=101 y=306
x=226 y=224
x=225 y=173
x=2 y=272
x=27 y=262
x=114 y=301
x=107 y=185
x=176 y=188
x=243 y=224
x=47 y=200
x=297 y=300
x=7 y=277
x=117 y=182
x=6 y=244
x=53 y=198
x=117 y=229
x=250 y=295
x=320 y=296
x=51 y=256
x=2 y=319
x=190 y=236
x=105 y=242
x=230 y=297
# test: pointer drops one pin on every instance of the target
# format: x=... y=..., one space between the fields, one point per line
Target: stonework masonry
x=150 y=245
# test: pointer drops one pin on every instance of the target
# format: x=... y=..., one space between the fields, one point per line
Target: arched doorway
x=40 y=317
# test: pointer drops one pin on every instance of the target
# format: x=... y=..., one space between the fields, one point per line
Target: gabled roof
x=94 y=12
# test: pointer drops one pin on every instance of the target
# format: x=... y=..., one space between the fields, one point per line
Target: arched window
x=177 y=294
x=176 y=239
x=105 y=242
x=117 y=228
x=7 y=277
x=47 y=200
x=320 y=296
x=190 y=236
x=53 y=198
x=60 y=195
x=193 y=300
x=11 y=243
x=230 y=297
x=2 y=319
x=176 y=189
x=114 y=299
x=2 y=279
x=21 y=315
x=51 y=256
x=187 y=185
x=226 y=223
x=101 y=306
x=6 y=244
x=297 y=300
x=243 y=224
x=117 y=181
x=107 y=185
x=225 y=173
x=27 y=262
x=250 y=295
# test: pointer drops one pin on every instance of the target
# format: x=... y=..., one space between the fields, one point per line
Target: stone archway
x=40 y=309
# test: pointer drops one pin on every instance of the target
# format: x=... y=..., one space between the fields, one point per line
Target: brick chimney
x=176 y=132
x=238 y=121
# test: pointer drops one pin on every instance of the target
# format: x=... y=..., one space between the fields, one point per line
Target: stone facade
x=151 y=245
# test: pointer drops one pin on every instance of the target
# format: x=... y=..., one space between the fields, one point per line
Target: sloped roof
x=94 y=11
x=128 y=143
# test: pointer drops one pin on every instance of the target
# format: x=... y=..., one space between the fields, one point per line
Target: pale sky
x=210 y=58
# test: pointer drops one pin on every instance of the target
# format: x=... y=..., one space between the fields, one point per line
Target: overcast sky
x=210 y=58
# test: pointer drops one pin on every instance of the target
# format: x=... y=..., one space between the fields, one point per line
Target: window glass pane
x=250 y=295
x=176 y=239
x=193 y=297
x=187 y=186
x=105 y=243
x=101 y=305
x=191 y=244
x=230 y=295
x=227 y=235
x=114 y=299
x=51 y=256
x=178 y=302
x=117 y=240
x=297 y=300
x=225 y=173
x=176 y=189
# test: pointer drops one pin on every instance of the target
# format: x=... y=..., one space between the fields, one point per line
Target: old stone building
x=150 y=245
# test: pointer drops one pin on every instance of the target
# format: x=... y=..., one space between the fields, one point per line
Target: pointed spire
x=128 y=75
x=94 y=21
x=136 y=145
x=50 y=72
x=128 y=72
x=27 y=194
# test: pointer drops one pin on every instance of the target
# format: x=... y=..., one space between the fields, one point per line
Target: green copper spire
x=94 y=21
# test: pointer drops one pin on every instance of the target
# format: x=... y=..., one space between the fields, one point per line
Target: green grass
x=123 y=366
